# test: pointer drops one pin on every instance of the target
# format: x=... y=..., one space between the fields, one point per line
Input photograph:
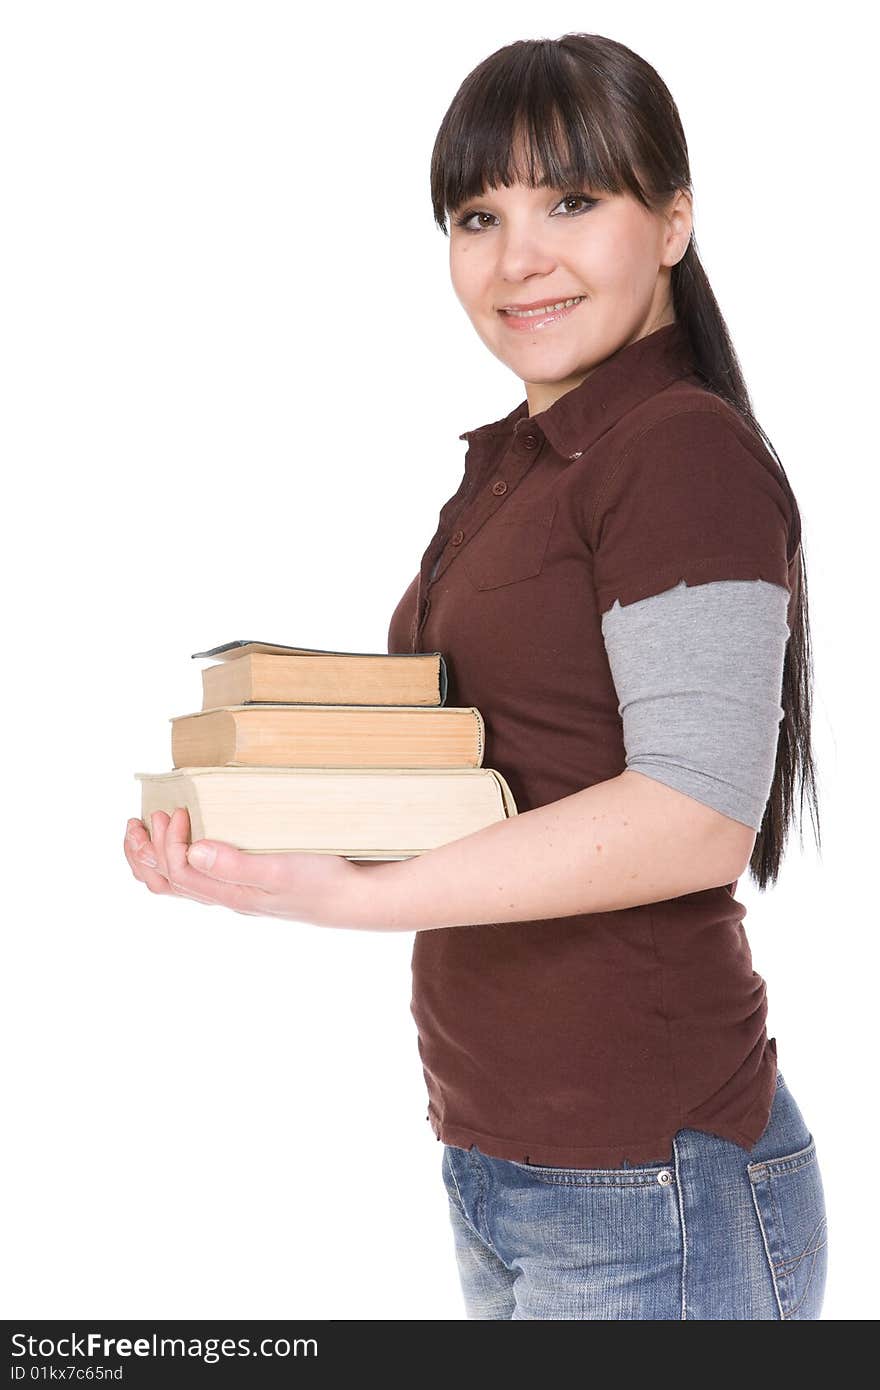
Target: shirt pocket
x=511 y=547
x=790 y=1203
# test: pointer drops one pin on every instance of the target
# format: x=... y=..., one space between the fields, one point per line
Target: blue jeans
x=722 y=1233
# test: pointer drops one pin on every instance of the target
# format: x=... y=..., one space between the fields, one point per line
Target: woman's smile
x=526 y=321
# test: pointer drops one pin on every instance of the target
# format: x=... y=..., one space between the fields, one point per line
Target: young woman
x=618 y=585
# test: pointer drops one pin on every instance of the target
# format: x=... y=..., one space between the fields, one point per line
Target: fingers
x=159 y=822
x=173 y=838
x=148 y=859
x=162 y=864
x=137 y=841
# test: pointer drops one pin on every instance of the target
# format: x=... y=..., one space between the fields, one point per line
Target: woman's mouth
x=526 y=320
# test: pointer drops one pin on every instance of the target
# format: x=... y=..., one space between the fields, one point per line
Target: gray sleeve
x=698 y=673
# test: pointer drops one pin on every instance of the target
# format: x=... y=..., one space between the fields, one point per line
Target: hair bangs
x=524 y=116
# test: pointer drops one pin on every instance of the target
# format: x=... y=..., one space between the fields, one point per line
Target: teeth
x=547 y=309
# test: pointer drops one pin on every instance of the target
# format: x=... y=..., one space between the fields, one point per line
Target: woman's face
x=521 y=246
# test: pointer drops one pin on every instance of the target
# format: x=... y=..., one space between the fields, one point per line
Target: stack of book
x=349 y=753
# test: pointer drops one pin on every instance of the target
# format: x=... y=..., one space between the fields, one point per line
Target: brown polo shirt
x=587 y=1041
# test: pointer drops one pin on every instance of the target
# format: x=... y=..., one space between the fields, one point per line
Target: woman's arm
x=623 y=842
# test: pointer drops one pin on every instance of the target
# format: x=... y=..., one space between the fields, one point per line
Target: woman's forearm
x=620 y=843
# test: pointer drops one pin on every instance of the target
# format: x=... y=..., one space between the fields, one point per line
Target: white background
x=226 y=313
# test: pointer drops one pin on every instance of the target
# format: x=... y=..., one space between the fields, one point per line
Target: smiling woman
x=618 y=585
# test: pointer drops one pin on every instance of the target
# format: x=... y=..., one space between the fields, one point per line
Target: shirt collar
x=621 y=382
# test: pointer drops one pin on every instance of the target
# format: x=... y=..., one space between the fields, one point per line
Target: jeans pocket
x=636 y=1175
x=790 y=1203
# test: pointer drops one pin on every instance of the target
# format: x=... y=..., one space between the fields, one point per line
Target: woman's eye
x=467 y=217
x=578 y=198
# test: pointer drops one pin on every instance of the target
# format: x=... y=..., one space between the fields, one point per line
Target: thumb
x=230 y=865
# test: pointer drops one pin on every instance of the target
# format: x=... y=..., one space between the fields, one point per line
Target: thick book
x=374 y=813
x=296 y=735
x=246 y=672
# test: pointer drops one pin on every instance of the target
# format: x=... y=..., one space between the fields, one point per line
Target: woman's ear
x=679 y=226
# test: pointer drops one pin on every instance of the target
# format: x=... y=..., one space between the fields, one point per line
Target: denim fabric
x=721 y=1233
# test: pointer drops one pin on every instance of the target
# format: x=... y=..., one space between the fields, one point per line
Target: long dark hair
x=591 y=113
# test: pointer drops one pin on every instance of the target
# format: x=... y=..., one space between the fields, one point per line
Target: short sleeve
x=689 y=500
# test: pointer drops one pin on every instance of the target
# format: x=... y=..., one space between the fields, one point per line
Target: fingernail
x=201 y=856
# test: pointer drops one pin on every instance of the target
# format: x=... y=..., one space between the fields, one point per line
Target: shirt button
x=457 y=537
x=499 y=488
x=664 y=1176
x=530 y=441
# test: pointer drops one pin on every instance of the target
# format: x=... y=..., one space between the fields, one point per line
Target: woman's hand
x=323 y=889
